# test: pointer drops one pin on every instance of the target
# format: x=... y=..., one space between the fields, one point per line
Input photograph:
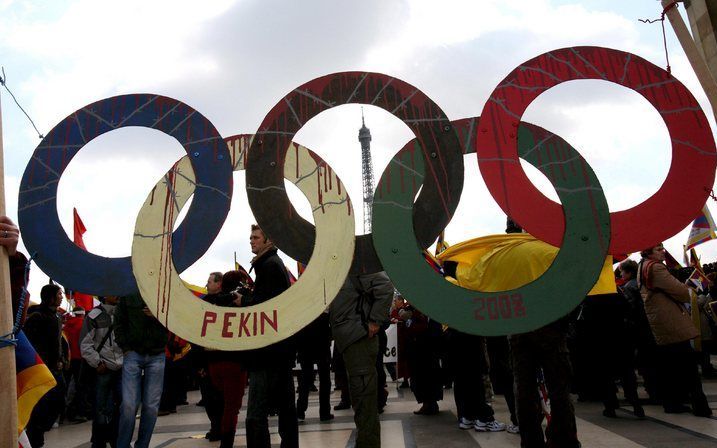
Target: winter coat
x=135 y=330
x=271 y=280
x=362 y=299
x=43 y=329
x=98 y=323
x=664 y=297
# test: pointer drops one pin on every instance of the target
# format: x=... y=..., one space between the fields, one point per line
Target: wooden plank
x=704 y=76
x=8 y=380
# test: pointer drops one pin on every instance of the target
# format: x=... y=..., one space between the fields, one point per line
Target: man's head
x=214 y=283
x=512 y=226
x=258 y=239
x=51 y=295
x=654 y=253
x=628 y=270
x=111 y=300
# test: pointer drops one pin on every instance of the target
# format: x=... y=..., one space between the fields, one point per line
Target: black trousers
x=271 y=388
x=501 y=371
x=213 y=402
x=469 y=387
x=306 y=378
x=544 y=348
x=46 y=412
x=678 y=376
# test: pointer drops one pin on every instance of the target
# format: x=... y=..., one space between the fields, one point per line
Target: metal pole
x=8 y=379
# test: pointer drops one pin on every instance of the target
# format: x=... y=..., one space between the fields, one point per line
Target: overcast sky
x=233 y=60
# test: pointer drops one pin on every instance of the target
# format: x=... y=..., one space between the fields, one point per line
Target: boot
x=638 y=410
x=227 y=440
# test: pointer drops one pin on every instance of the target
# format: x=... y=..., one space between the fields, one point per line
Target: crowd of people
x=117 y=359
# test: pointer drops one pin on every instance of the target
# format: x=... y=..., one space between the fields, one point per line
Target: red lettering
x=492 y=308
x=504 y=307
x=225 y=330
x=243 y=320
x=209 y=318
x=273 y=324
x=478 y=313
x=518 y=306
x=254 y=314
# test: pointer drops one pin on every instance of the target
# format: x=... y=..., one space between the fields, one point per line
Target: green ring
x=559 y=290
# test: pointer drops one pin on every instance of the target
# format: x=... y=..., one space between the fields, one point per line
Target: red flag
x=80 y=299
x=79 y=228
x=671 y=262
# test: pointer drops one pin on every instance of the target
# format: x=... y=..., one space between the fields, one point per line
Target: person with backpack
x=101 y=352
x=357 y=314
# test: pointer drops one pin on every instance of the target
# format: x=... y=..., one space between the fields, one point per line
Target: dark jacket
x=136 y=331
x=314 y=340
x=271 y=280
x=351 y=311
x=43 y=329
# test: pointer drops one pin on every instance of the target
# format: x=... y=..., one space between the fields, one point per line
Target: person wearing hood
x=101 y=352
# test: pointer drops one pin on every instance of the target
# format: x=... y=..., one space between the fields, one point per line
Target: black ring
x=436 y=140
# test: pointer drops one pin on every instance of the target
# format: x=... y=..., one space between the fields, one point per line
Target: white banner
x=391 y=353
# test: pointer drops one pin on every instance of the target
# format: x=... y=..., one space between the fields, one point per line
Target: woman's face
x=657 y=253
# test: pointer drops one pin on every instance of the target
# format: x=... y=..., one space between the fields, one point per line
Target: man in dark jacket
x=271 y=384
x=43 y=329
x=142 y=339
x=357 y=314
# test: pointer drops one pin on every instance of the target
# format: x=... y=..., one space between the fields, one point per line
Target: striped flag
x=196 y=290
x=671 y=262
x=703 y=229
x=34 y=380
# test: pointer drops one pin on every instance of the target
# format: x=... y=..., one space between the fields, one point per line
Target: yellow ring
x=260 y=325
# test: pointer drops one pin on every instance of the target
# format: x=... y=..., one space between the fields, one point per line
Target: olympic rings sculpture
x=415 y=199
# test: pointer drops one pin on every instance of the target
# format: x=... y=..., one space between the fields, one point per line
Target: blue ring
x=79 y=270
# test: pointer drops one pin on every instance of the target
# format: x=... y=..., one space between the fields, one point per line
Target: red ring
x=662 y=215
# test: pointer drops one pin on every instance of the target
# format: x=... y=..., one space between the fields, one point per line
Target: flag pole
x=698 y=63
x=8 y=379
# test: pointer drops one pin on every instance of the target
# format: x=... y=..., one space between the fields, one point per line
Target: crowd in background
x=115 y=359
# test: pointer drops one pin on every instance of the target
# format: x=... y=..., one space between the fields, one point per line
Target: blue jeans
x=134 y=384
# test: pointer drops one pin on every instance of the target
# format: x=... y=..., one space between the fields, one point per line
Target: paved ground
x=400 y=428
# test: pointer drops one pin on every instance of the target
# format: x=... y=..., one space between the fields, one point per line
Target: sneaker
x=494 y=426
x=512 y=429
x=464 y=423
